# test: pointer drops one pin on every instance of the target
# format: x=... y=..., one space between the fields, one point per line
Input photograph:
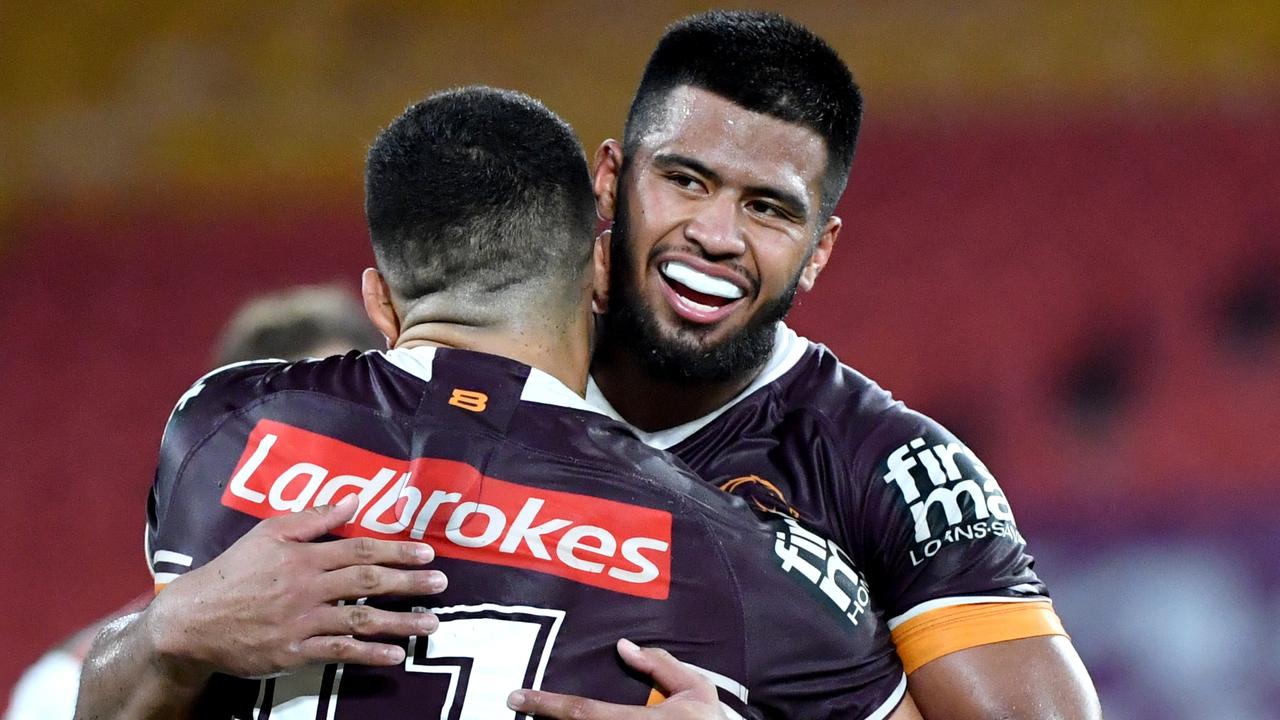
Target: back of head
x=764 y=63
x=301 y=322
x=475 y=192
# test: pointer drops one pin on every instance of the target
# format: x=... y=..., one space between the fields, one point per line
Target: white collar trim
x=788 y=347
x=546 y=389
x=540 y=387
x=416 y=361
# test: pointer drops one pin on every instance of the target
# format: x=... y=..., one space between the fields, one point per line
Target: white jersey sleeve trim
x=146 y=548
x=169 y=556
x=888 y=706
x=928 y=605
x=728 y=684
x=788 y=348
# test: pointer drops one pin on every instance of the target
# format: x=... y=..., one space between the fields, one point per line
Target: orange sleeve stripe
x=931 y=635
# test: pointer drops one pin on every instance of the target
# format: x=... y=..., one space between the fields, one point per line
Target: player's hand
x=689 y=695
x=268 y=604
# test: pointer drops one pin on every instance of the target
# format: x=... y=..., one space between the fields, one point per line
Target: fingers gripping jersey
x=914 y=507
x=559 y=532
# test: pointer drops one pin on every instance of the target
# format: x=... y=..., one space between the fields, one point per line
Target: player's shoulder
x=578 y=433
x=356 y=378
x=216 y=394
x=820 y=379
x=849 y=406
x=351 y=376
x=554 y=420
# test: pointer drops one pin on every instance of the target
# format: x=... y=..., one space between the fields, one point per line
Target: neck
x=651 y=403
x=561 y=349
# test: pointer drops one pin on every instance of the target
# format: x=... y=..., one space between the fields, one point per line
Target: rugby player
x=555 y=525
x=291 y=324
x=736 y=149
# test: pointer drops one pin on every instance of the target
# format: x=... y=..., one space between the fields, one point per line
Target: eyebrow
x=792 y=202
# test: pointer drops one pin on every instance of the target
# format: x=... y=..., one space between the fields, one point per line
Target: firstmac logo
x=950 y=493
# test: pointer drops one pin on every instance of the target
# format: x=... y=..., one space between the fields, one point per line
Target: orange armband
x=939 y=632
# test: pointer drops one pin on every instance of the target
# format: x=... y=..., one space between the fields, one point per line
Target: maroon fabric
x=913 y=506
x=677 y=563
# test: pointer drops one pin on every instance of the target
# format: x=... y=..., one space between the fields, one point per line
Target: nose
x=716 y=228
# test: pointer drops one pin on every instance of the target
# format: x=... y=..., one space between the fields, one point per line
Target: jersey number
x=462 y=671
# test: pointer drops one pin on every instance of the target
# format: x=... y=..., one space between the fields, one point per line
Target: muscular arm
x=125 y=677
x=1040 y=678
x=972 y=622
x=263 y=607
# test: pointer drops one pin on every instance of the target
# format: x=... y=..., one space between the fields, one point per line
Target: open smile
x=697 y=296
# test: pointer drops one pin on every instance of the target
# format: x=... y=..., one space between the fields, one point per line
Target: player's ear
x=600 y=273
x=821 y=253
x=376 y=294
x=604 y=178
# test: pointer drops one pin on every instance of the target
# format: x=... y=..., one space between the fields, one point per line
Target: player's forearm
x=126 y=676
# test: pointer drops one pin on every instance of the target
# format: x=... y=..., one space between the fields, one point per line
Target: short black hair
x=765 y=63
x=476 y=190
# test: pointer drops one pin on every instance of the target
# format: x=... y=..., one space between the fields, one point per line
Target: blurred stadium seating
x=1062 y=239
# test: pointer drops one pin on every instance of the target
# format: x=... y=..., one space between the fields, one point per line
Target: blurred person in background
x=304 y=322
x=291 y=324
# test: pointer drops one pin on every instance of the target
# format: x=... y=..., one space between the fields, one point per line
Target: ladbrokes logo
x=462 y=513
x=953 y=503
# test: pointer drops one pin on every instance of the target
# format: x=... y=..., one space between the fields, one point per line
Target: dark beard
x=630 y=328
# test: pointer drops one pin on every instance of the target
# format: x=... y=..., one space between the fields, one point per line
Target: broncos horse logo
x=760 y=492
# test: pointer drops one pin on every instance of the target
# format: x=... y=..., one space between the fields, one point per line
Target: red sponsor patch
x=461 y=513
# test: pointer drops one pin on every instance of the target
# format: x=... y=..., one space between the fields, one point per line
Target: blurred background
x=1062 y=239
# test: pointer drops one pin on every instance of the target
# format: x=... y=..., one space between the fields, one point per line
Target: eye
x=683 y=181
x=768 y=209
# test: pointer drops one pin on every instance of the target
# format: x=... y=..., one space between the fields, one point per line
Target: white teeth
x=701 y=282
x=698 y=306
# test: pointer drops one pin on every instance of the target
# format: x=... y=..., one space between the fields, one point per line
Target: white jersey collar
x=788 y=347
x=540 y=387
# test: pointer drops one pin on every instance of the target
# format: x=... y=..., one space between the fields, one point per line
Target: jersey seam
x=747 y=680
x=397 y=419
x=851 y=461
x=602 y=467
x=772 y=393
x=852 y=465
x=850 y=478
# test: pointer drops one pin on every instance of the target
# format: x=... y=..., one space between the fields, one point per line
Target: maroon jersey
x=917 y=511
x=559 y=532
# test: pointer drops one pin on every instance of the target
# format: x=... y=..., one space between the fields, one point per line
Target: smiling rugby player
x=737 y=147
